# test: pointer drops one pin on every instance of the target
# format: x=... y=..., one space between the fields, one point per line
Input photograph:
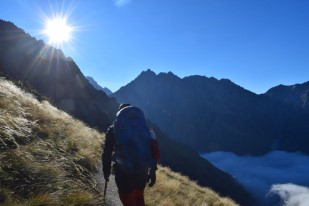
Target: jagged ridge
x=213 y=115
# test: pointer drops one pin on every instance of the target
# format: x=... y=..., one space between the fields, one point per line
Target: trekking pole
x=104 y=194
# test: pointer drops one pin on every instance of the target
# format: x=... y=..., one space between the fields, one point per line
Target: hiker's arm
x=108 y=151
x=155 y=153
x=151 y=179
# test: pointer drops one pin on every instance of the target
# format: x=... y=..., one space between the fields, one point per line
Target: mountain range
x=98 y=87
x=48 y=72
x=297 y=95
x=218 y=115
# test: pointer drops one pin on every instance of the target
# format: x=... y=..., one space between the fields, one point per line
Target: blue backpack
x=132 y=150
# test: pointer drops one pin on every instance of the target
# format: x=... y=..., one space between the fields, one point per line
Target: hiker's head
x=123 y=106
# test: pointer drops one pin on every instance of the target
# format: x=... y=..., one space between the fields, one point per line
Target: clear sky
x=257 y=44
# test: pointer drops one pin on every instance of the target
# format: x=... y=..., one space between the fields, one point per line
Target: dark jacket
x=109 y=148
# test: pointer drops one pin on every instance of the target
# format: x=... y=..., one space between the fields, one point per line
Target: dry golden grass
x=174 y=189
x=46 y=156
x=49 y=158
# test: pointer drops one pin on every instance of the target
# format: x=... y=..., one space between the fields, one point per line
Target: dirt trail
x=112 y=198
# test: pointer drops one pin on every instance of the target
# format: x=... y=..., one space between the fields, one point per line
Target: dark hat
x=121 y=106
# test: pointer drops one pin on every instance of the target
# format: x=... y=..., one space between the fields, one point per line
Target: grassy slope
x=48 y=157
x=45 y=154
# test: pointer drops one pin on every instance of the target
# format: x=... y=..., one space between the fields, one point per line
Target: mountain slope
x=98 y=87
x=212 y=115
x=297 y=94
x=59 y=79
x=181 y=158
x=48 y=71
x=49 y=158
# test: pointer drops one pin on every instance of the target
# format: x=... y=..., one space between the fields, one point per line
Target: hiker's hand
x=106 y=175
x=151 y=179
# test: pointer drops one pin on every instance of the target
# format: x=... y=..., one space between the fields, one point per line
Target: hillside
x=47 y=70
x=213 y=115
x=297 y=95
x=58 y=79
x=47 y=157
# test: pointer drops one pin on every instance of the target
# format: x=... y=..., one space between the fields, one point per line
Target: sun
x=58 y=31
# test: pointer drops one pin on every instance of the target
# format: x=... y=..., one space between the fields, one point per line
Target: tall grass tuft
x=46 y=156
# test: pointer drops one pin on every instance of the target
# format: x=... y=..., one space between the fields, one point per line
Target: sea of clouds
x=277 y=178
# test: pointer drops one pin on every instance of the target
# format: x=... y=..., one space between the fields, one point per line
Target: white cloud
x=258 y=174
x=291 y=195
x=121 y=3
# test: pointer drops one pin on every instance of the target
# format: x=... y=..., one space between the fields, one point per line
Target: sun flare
x=58 y=31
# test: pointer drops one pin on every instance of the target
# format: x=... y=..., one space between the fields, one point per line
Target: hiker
x=134 y=157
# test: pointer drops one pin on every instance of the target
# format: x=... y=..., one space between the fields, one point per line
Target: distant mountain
x=212 y=115
x=98 y=87
x=50 y=73
x=297 y=95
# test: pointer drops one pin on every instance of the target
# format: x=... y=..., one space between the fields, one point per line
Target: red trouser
x=131 y=187
x=134 y=198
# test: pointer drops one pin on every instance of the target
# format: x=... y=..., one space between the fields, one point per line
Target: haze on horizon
x=256 y=44
x=268 y=177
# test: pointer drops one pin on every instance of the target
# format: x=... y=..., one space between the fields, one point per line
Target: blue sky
x=257 y=44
